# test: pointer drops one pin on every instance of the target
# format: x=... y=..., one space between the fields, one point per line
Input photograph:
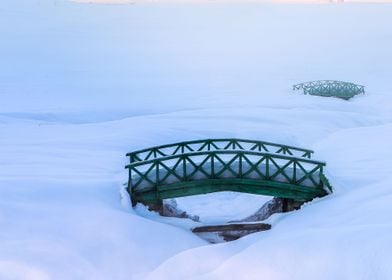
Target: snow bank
x=224 y=1
x=82 y=85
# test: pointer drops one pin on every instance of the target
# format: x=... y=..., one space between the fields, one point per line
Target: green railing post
x=240 y=165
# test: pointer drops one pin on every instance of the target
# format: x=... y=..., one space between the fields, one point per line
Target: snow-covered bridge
x=213 y=165
x=331 y=88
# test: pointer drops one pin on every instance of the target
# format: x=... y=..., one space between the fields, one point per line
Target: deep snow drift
x=81 y=85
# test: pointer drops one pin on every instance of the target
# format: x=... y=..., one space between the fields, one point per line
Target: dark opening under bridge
x=213 y=165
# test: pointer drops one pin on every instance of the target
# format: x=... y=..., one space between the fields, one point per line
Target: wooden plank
x=232 y=227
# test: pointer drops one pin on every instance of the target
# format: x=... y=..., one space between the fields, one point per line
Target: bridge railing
x=147 y=175
x=216 y=145
x=340 y=89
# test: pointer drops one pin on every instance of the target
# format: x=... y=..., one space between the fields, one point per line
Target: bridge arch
x=212 y=165
x=330 y=88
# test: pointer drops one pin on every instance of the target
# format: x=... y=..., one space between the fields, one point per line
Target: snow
x=82 y=85
x=144 y=2
x=221 y=207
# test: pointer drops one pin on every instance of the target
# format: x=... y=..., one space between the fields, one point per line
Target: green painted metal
x=156 y=174
x=258 y=187
x=214 y=145
x=330 y=88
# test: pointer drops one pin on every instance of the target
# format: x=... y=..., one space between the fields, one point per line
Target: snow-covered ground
x=81 y=85
x=132 y=2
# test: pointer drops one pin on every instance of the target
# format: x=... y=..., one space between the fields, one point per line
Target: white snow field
x=83 y=84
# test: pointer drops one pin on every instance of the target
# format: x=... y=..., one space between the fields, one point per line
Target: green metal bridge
x=331 y=88
x=213 y=165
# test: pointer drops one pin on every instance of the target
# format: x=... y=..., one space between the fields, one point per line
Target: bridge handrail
x=185 y=159
x=311 y=84
x=179 y=175
x=301 y=85
x=156 y=152
x=274 y=155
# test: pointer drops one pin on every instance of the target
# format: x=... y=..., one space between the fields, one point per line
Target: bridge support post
x=285 y=205
x=290 y=204
x=152 y=206
x=155 y=206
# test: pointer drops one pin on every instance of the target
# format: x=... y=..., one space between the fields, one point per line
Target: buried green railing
x=330 y=88
x=216 y=144
x=206 y=171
